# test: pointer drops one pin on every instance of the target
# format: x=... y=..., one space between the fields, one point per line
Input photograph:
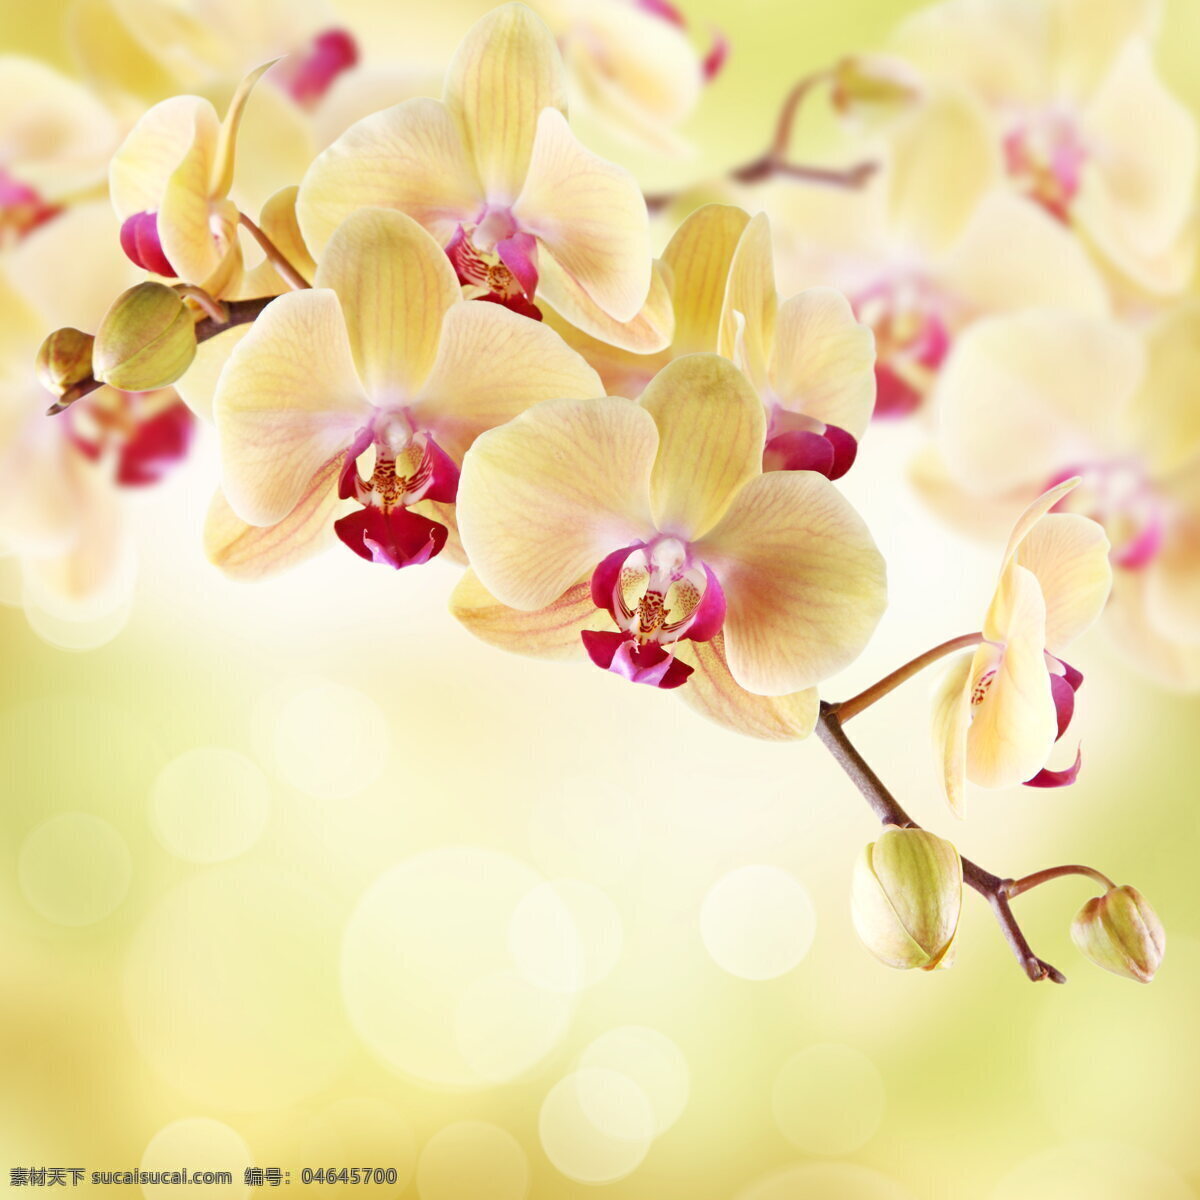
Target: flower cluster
x=435 y=328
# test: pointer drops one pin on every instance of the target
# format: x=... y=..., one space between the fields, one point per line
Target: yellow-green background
x=216 y=991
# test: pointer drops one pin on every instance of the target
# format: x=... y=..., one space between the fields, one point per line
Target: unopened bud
x=1120 y=932
x=146 y=340
x=65 y=360
x=905 y=898
x=872 y=85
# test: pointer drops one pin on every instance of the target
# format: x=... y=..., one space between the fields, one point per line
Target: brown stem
x=887 y=808
x=278 y=260
x=852 y=707
x=774 y=162
x=1014 y=887
x=239 y=312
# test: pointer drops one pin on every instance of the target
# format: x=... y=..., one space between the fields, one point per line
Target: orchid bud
x=147 y=339
x=65 y=360
x=1120 y=932
x=872 y=85
x=905 y=898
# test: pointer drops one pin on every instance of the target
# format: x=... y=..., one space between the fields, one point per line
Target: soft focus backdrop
x=300 y=875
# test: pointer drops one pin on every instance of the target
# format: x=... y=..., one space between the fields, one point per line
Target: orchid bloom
x=55 y=139
x=382 y=357
x=170 y=183
x=931 y=245
x=146 y=50
x=1030 y=399
x=647 y=532
x=524 y=212
x=1000 y=710
x=632 y=67
x=1081 y=122
x=60 y=476
x=811 y=362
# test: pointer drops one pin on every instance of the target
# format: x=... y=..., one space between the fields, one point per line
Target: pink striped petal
x=1057 y=779
x=156 y=446
x=397 y=539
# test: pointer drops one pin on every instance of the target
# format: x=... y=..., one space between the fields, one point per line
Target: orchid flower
x=140 y=51
x=1030 y=399
x=382 y=357
x=525 y=213
x=60 y=477
x=1000 y=710
x=811 y=362
x=55 y=139
x=170 y=184
x=631 y=67
x=931 y=245
x=647 y=532
x=1081 y=121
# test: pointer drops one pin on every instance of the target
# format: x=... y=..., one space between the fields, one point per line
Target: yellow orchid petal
x=712 y=691
x=748 y=313
x=491 y=365
x=984 y=518
x=649 y=332
x=279 y=222
x=589 y=216
x=996 y=48
x=945 y=159
x=111 y=57
x=182 y=127
x=1136 y=189
x=1068 y=555
x=1017 y=391
x=255 y=551
x=804 y=584
x=550 y=632
x=1133 y=627
x=951 y=717
x=1015 y=255
x=1033 y=513
x=1090 y=35
x=823 y=361
x=505 y=72
x=288 y=400
x=410 y=157
x=223 y=161
x=1014 y=722
x=81 y=246
x=1164 y=419
x=711 y=430
x=699 y=256
x=198 y=386
x=395 y=285
x=56 y=135
x=638 y=74
x=544 y=498
x=199 y=235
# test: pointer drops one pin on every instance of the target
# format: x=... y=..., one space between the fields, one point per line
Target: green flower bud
x=905 y=898
x=146 y=340
x=873 y=86
x=65 y=360
x=1120 y=932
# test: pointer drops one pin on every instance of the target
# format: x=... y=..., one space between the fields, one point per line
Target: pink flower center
x=22 y=209
x=657 y=595
x=1119 y=494
x=496 y=261
x=409 y=466
x=909 y=318
x=1045 y=156
x=146 y=434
